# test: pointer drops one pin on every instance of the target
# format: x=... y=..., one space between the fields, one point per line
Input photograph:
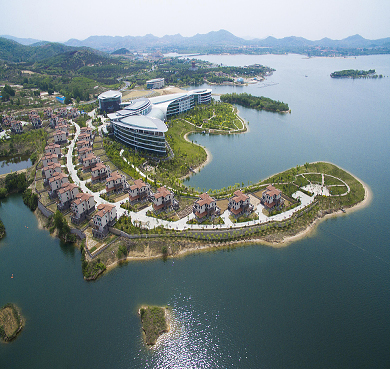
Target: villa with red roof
x=66 y=194
x=60 y=137
x=84 y=152
x=53 y=149
x=35 y=120
x=81 y=206
x=50 y=170
x=100 y=172
x=49 y=158
x=90 y=161
x=272 y=198
x=139 y=191
x=103 y=219
x=239 y=204
x=16 y=126
x=205 y=207
x=163 y=199
x=56 y=182
x=83 y=143
x=115 y=182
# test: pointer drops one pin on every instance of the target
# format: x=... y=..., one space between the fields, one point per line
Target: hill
x=12 y=51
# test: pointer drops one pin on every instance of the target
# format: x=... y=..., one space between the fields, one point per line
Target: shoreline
x=307 y=232
x=197 y=169
x=209 y=157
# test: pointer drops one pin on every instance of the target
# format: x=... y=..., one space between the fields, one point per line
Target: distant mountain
x=73 y=60
x=221 y=38
x=23 y=41
x=121 y=51
x=12 y=51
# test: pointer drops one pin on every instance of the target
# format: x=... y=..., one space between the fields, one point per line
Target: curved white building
x=135 y=107
x=110 y=101
x=142 y=133
x=140 y=123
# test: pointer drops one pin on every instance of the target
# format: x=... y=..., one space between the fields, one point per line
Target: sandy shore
x=308 y=232
x=199 y=167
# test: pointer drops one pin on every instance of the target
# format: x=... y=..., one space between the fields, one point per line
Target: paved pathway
x=151 y=222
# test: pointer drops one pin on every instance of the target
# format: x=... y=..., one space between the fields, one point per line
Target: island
x=355 y=73
x=255 y=102
x=11 y=322
x=154 y=322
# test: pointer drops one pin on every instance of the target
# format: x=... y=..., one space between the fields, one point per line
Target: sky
x=311 y=19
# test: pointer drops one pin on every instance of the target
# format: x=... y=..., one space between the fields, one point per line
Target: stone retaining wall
x=45 y=211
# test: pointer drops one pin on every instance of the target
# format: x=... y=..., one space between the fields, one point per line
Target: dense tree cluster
x=30 y=199
x=355 y=73
x=255 y=102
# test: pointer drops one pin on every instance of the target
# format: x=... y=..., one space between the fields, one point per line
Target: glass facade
x=139 y=139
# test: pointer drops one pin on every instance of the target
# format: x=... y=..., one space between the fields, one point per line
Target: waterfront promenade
x=151 y=222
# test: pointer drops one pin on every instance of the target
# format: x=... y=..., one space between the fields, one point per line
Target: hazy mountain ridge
x=12 y=51
x=218 y=38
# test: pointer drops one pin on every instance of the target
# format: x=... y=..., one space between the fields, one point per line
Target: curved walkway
x=151 y=222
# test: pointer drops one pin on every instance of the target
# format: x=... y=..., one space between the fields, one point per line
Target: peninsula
x=256 y=102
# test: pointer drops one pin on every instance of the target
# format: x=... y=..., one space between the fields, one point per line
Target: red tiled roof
x=239 y=196
x=98 y=166
x=67 y=187
x=103 y=209
x=81 y=197
x=271 y=191
x=138 y=183
x=162 y=192
x=205 y=198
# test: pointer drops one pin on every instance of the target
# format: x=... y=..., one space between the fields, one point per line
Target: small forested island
x=154 y=322
x=355 y=73
x=11 y=322
x=255 y=102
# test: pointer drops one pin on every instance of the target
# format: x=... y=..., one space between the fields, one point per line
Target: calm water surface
x=322 y=302
x=8 y=165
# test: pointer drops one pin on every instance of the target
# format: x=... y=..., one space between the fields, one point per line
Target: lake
x=12 y=164
x=322 y=302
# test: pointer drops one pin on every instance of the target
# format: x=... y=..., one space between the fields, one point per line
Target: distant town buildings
x=155 y=83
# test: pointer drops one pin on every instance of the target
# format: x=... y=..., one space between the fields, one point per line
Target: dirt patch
x=223 y=205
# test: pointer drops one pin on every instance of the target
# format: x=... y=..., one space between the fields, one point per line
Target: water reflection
x=195 y=340
x=18 y=162
x=68 y=248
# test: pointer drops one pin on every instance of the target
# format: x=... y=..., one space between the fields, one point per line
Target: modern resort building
x=140 y=124
x=110 y=101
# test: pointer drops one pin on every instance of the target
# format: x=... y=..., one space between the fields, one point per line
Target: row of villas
x=206 y=206
x=36 y=121
x=68 y=194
